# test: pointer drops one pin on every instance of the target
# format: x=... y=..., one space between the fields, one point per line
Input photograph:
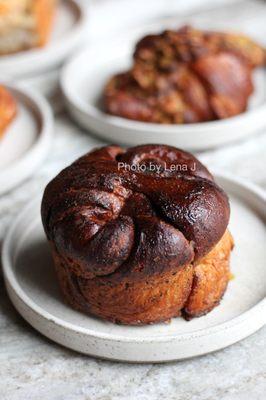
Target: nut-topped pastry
x=185 y=76
x=140 y=235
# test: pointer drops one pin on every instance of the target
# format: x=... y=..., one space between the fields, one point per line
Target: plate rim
x=39 y=148
x=46 y=82
x=38 y=60
x=11 y=281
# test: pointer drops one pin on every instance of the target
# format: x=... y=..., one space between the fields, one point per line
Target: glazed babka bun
x=140 y=235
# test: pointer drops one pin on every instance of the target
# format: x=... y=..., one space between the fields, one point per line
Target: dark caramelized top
x=145 y=209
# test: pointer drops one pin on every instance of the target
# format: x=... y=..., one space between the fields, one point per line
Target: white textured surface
x=33 y=368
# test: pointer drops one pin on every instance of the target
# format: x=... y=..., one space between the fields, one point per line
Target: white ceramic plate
x=70 y=27
x=82 y=82
x=27 y=139
x=32 y=287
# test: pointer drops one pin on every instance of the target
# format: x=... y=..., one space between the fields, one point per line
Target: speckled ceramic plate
x=83 y=80
x=32 y=287
x=26 y=141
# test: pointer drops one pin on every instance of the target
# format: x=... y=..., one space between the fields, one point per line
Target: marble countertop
x=34 y=368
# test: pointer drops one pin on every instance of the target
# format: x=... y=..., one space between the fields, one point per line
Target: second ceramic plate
x=27 y=140
x=83 y=79
x=32 y=287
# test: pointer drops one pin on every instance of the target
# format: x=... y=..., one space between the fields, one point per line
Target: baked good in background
x=8 y=109
x=140 y=235
x=185 y=76
x=25 y=24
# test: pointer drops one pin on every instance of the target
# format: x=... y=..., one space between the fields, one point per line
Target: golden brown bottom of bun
x=190 y=291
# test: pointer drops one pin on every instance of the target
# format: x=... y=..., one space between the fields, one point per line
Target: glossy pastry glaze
x=185 y=76
x=129 y=243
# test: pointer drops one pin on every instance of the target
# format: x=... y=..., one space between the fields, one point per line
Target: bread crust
x=8 y=109
x=44 y=12
x=211 y=275
x=190 y=291
x=129 y=246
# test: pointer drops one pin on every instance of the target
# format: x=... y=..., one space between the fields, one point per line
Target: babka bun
x=138 y=236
